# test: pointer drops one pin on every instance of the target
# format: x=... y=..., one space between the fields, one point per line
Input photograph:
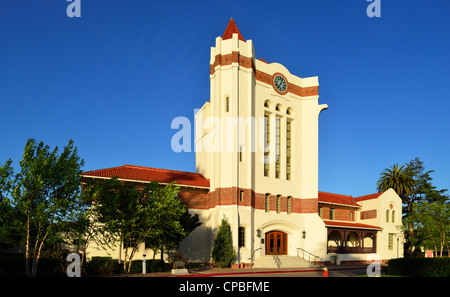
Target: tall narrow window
x=393 y=216
x=241 y=237
x=332 y=213
x=266 y=142
x=289 y=204
x=387 y=215
x=278 y=203
x=267 y=202
x=227 y=103
x=241 y=195
x=288 y=149
x=391 y=241
x=241 y=154
x=321 y=212
x=277 y=137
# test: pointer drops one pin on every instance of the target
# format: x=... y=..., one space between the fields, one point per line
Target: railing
x=253 y=255
x=351 y=250
x=277 y=260
x=307 y=255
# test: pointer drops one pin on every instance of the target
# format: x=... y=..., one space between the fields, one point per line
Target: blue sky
x=114 y=79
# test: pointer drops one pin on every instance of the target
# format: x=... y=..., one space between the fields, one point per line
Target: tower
x=257 y=142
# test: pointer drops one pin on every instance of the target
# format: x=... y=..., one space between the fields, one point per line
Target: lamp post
x=144 y=267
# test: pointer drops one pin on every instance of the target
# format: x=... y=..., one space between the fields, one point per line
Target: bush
x=104 y=266
x=223 y=253
x=422 y=267
x=151 y=266
x=14 y=265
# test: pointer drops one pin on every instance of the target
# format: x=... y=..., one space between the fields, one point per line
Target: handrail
x=308 y=254
x=276 y=259
x=253 y=255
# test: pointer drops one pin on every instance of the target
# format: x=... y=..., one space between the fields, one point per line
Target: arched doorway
x=276 y=243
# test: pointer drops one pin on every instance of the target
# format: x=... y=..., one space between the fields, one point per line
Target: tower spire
x=232 y=28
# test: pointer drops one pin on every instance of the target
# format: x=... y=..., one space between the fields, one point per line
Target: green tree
x=223 y=253
x=432 y=223
x=132 y=215
x=45 y=193
x=398 y=178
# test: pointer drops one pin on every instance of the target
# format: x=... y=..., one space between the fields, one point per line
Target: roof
x=332 y=198
x=368 y=197
x=148 y=174
x=230 y=30
x=350 y=225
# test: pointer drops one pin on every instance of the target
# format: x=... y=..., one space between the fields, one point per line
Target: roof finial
x=230 y=30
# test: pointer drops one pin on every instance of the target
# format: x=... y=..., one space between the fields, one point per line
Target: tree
x=132 y=215
x=432 y=224
x=397 y=178
x=414 y=186
x=45 y=192
x=223 y=253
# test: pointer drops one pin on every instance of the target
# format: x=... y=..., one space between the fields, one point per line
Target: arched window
x=289 y=111
x=267 y=104
x=393 y=216
x=387 y=215
x=278 y=107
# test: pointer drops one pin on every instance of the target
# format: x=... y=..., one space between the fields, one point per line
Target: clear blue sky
x=114 y=79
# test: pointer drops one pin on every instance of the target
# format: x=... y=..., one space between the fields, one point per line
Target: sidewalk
x=261 y=271
x=334 y=270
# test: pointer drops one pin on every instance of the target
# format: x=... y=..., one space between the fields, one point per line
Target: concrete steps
x=286 y=262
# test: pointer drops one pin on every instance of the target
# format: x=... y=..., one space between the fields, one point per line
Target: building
x=257 y=164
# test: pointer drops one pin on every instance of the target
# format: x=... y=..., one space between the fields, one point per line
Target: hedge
x=14 y=265
x=422 y=267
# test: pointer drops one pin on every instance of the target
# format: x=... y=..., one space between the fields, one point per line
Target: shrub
x=104 y=266
x=223 y=253
x=423 y=267
x=151 y=266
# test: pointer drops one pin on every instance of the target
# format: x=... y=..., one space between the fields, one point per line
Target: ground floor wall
x=249 y=227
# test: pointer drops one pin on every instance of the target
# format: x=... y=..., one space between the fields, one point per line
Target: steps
x=286 y=262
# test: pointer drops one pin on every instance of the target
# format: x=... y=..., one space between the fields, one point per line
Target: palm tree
x=397 y=178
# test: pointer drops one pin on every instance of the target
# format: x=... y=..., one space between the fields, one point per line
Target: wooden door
x=276 y=243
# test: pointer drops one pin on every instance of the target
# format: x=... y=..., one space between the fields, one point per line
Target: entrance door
x=276 y=243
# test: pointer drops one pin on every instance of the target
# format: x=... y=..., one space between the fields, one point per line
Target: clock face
x=280 y=83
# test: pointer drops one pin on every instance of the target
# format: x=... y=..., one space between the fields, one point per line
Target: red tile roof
x=368 y=197
x=350 y=225
x=232 y=28
x=325 y=197
x=148 y=174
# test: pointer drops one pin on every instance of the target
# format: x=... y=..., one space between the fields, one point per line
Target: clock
x=280 y=84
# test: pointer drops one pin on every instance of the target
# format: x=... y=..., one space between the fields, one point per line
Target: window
x=289 y=204
x=387 y=215
x=332 y=213
x=288 y=150
x=241 y=237
x=278 y=203
x=391 y=241
x=393 y=216
x=267 y=142
x=241 y=154
x=351 y=215
x=227 y=104
x=321 y=212
x=267 y=202
x=241 y=195
x=278 y=132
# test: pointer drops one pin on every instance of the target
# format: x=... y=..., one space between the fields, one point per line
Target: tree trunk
x=27 y=251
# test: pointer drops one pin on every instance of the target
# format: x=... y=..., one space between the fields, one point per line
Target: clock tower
x=257 y=141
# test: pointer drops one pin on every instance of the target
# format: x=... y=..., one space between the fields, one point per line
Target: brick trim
x=231 y=196
x=246 y=62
